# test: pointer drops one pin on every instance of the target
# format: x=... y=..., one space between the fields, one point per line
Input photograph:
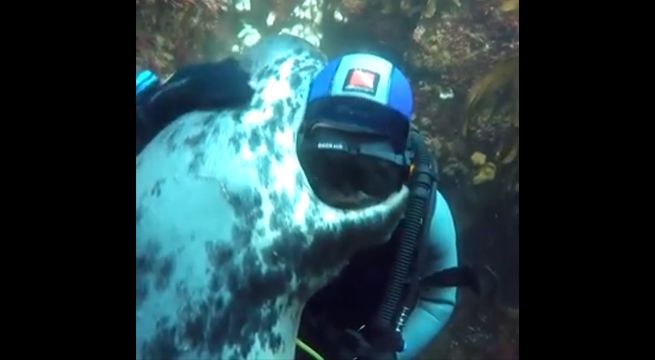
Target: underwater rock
x=170 y=34
x=477 y=332
x=486 y=172
x=478 y=158
x=458 y=45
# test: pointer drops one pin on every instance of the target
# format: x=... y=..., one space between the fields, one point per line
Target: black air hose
x=421 y=186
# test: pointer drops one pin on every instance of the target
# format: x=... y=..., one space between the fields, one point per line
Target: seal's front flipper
x=483 y=281
x=208 y=86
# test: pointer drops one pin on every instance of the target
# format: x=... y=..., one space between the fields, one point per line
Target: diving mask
x=349 y=167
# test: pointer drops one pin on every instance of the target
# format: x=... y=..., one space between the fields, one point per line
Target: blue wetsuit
x=435 y=305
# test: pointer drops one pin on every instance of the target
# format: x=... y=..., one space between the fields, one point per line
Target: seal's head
x=230 y=238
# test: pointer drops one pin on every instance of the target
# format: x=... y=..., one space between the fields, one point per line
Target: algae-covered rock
x=353 y=7
x=170 y=34
x=486 y=172
x=478 y=158
x=357 y=8
x=477 y=332
x=460 y=42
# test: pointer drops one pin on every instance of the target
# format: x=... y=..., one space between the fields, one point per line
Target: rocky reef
x=172 y=33
x=478 y=332
x=462 y=57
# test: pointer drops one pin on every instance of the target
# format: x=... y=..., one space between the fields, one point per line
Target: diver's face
x=355 y=174
x=351 y=181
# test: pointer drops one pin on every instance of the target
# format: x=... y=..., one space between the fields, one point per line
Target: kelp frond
x=497 y=78
x=485 y=92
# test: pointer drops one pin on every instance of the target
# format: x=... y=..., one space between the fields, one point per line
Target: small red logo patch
x=362 y=80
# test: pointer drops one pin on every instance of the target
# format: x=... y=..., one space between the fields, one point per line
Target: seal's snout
x=372 y=225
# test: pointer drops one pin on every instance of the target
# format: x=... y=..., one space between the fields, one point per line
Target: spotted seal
x=230 y=239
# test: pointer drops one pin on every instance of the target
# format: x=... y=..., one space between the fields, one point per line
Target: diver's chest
x=367 y=273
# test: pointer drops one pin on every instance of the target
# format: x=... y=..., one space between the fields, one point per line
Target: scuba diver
x=357 y=146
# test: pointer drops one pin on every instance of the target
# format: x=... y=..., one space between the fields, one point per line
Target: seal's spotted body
x=231 y=241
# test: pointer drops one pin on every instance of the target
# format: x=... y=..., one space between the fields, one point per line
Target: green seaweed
x=490 y=94
x=509 y=6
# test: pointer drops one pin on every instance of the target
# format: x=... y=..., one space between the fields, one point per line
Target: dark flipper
x=211 y=86
x=483 y=282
